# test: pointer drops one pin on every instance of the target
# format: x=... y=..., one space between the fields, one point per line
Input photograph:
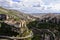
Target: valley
x=16 y=25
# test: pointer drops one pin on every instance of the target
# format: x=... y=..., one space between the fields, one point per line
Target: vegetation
x=44 y=25
x=6 y=30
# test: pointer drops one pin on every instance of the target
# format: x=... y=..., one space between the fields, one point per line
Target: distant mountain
x=50 y=17
x=41 y=14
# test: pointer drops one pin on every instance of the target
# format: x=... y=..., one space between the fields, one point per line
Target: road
x=7 y=37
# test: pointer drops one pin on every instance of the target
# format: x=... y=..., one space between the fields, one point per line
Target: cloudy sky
x=33 y=6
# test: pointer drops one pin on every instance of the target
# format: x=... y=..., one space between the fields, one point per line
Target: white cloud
x=56 y=6
x=32 y=5
x=6 y=3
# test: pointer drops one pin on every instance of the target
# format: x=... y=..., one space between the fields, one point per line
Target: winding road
x=7 y=37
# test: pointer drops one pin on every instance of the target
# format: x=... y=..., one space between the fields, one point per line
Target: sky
x=32 y=6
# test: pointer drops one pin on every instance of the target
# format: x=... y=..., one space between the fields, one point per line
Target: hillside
x=15 y=25
x=16 y=14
